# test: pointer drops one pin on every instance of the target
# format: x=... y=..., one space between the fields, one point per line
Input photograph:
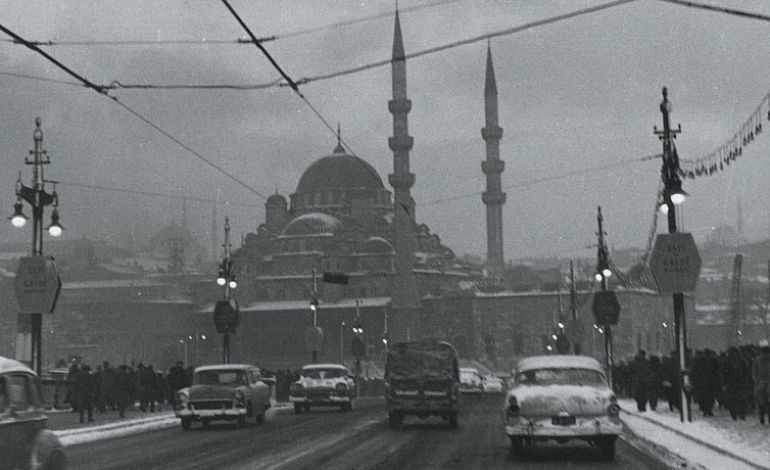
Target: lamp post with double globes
x=38 y=198
x=673 y=196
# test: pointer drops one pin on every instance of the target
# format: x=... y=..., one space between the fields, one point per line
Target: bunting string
x=731 y=150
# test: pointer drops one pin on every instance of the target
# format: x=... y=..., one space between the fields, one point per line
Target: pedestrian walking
x=85 y=393
x=735 y=377
x=640 y=380
x=760 y=372
x=656 y=382
x=122 y=389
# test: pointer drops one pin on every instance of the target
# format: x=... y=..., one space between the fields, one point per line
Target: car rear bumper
x=543 y=427
x=330 y=399
x=227 y=413
x=422 y=406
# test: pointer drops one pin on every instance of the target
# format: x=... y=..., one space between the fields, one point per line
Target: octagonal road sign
x=605 y=307
x=675 y=263
x=37 y=284
x=226 y=316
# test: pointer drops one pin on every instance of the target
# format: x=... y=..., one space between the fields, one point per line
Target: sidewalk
x=706 y=443
x=67 y=419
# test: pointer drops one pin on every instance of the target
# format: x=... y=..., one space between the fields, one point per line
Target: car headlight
x=614 y=409
x=239 y=400
x=182 y=399
x=296 y=389
x=341 y=389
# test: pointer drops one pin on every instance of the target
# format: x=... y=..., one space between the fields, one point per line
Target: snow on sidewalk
x=710 y=443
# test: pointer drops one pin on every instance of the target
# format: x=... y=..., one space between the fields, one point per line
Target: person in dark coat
x=176 y=381
x=122 y=389
x=147 y=391
x=160 y=386
x=656 y=382
x=735 y=377
x=70 y=397
x=108 y=380
x=760 y=372
x=671 y=381
x=640 y=380
x=705 y=380
x=85 y=393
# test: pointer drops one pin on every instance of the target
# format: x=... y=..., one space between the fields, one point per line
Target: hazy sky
x=574 y=95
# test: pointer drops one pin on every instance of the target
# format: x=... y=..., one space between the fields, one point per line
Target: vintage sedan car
x=224 y=392
x=492 y=384
x=323 y=385
x=470 y=380
x=25 y=443
x=561 y=398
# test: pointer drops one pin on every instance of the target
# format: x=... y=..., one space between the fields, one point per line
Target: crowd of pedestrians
x=737 y=380
x=117 y=389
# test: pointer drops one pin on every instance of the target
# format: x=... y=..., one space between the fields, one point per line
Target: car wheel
x=606 y=446
x=306 y=408
x=352 y=404
x=55 y=460
x=395 y=418
x=517 y=444
x=298 y=408
x=453 y=419
x=241 y=421
x=186 y=421
x=206 y=423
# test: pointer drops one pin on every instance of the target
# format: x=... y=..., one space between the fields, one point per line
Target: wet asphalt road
x=359 y=439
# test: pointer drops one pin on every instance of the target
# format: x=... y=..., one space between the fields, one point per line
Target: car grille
x=211 y=405
x=322 y=394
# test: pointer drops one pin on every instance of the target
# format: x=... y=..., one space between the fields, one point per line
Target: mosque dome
x=377 y=245
x=314 y=223
x=339 y=171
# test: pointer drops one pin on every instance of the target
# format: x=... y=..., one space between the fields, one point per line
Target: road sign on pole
x=606 y=308
x=37 y=284
x=675 y=263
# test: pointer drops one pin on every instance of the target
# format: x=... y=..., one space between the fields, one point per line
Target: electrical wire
x=729 y=11
x=115 y=84
x=103 y=91
x=534 y=181
x=154 y=194
x=463 y=42
x=42 y=79
x=169 y=42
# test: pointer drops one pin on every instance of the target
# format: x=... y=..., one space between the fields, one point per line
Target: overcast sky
x=574 y=95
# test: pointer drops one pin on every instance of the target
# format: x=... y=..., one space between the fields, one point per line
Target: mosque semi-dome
x=377 y=245
x=314 y=223
x=339 y=171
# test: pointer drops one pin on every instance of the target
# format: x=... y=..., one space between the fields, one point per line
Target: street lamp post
x=342 y=342
x=186 y=356
x=226 y=279
x=673 y=195
x=603 y=272
x=38 y=198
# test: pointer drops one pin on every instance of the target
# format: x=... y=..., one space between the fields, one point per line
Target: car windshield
x=318 y=373
x=560 y=376
x=419 y=360
x=220 y=377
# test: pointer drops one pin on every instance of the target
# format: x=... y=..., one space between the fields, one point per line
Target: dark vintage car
x=25 y=443
x=561 y=398
x=422 y=379
x=224 y=392
x=323 y=385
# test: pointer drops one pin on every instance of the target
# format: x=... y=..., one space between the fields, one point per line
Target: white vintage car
x=561 y=398
x=470 y=380
x=323 y=385
x=224 y=392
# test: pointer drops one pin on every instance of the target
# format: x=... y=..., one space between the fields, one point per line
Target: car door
x=21 y=418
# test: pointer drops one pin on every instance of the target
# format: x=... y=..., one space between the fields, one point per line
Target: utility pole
x=673 y=195
x=603 y=271
x=314 y=309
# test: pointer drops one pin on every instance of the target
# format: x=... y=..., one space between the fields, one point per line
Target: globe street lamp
x=37 y=197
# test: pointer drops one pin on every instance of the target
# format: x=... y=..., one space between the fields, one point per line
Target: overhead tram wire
x=719 y=9
x=153 y=194
x=104 y=92
x=239 y=41
x=544 y=179
x=463 y=42
x=303 y=81
x=42 y=79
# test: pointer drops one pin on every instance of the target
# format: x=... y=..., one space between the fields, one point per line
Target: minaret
x=493 y=167
x=740 y=226
x=402 y=180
